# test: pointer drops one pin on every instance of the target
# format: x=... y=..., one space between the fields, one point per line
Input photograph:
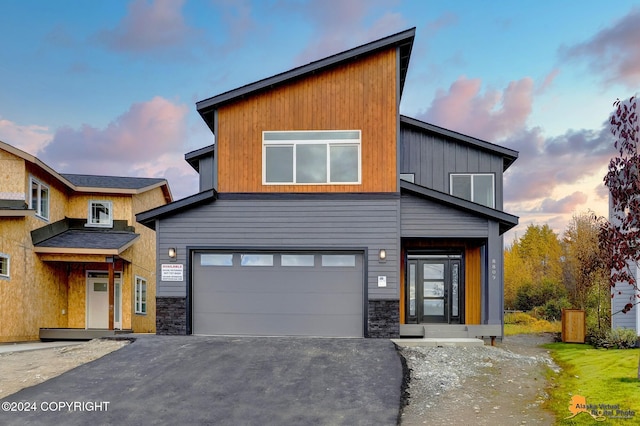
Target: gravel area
x=478 y=385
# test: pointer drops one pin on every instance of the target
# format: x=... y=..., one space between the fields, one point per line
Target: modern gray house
x=324 y=212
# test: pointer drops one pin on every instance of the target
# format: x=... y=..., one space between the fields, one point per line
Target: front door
x=435 y=290
x=98 y=301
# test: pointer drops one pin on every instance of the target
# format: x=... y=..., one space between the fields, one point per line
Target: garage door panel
x=279 y=300
x=279 y=325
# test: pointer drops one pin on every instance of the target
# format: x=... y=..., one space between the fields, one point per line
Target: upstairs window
x=4 y=266
x=478 y=188
x=39 y=198
x=311 y=157
x=100 y=213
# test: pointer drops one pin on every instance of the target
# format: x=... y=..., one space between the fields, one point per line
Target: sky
x=109 y=86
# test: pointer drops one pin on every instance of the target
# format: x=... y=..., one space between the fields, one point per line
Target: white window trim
x=41 y=186
x=493 y=185
x=8 y=260
x=90 y=215
x=138 y=282
x=293 y=143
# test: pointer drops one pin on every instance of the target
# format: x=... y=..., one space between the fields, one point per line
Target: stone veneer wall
x=171 y=315
x=384 y=319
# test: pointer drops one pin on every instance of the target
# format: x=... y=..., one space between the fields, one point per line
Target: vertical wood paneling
x=355 y=96
x=472 y=285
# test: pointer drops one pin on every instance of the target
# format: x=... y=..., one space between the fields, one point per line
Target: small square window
x=209 y=259
x=4 y=266
x=478 y=188
x=100 y=213
x=297 y=260
x=337 y=260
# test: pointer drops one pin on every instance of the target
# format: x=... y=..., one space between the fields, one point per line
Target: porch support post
x=111 y=292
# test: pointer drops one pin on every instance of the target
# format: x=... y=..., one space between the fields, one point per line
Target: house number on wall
x=494 y=269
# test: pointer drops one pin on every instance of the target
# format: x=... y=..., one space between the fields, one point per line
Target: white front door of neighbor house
x=98 y=301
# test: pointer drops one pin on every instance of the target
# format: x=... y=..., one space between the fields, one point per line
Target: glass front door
x=434 y=290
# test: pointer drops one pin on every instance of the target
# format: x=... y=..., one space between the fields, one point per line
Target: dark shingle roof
x=76 y=238
x=116 y=182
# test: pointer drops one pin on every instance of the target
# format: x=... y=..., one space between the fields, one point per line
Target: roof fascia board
x=148 y=217
x=504 y=218
x=406 y=36
x=35 y=161
x=509 y=155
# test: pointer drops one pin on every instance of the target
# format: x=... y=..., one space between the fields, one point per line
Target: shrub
x=618 y=338
x=552 y=310
x=518 y=318
x=528 y=296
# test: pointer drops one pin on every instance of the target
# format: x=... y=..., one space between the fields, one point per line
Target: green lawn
x=601 y=376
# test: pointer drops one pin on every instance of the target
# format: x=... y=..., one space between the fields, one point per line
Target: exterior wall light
x=173 y=253
x=382 y=255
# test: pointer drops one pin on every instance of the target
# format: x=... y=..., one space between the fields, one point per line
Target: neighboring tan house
x=324 y=212
x=71 y=253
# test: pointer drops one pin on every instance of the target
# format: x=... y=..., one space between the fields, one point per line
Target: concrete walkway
x=33 y=346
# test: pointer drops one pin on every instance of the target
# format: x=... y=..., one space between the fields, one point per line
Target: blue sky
x=109 y=86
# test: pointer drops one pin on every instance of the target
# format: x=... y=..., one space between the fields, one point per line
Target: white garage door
x=278 y=293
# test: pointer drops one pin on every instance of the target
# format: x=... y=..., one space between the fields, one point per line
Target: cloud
x=142 y=134
x=567 y=204
x=491 y=115
x=30 y=138
x=339 y=25
x=148 y=26
x=237 y=16
x=546 y=163
x=614 y=52
x=548 y=81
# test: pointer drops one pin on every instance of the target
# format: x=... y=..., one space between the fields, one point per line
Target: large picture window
x=311 y=157
x=39 y=198
x=478 y=188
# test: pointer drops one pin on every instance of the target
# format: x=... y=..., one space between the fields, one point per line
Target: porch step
x=448 y=331
x=51 y=334
x=438 y=342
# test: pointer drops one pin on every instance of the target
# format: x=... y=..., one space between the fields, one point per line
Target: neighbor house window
x=4 y=265
x=100 y=213
x=311 y=157
x=141 y=296
x=39 y=198
x=478 y=188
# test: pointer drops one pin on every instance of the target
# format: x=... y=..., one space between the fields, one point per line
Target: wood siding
x=357 y=96
x=288 y=224
x=433 y=158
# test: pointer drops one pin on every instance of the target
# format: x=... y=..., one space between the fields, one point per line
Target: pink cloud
x=548 y=80
x=148 y=26
x=339 y=25
x=567 y=204
x=491 y=115
x=144 y=132
x=30 y=138
x=614 y=52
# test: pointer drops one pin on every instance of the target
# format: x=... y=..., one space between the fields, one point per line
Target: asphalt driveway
x=223 y=381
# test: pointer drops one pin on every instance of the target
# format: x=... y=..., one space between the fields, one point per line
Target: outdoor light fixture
x=382 y=254
x=173 y=252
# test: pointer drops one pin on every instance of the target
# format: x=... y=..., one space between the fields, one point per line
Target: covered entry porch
x=443 y=289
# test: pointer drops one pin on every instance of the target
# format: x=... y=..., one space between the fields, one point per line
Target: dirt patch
x=502 y=385
x=19 y=370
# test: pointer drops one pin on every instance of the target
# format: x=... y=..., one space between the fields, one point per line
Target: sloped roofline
x=403 y=40
x=193 y=156
x=41 y=164
x=148 y=218
x=505 y=221
x=508 y=155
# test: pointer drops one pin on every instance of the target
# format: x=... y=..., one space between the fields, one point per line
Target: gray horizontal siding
x=432 y=159
x=423 y=218
x=620 y=320
x=294 y=224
